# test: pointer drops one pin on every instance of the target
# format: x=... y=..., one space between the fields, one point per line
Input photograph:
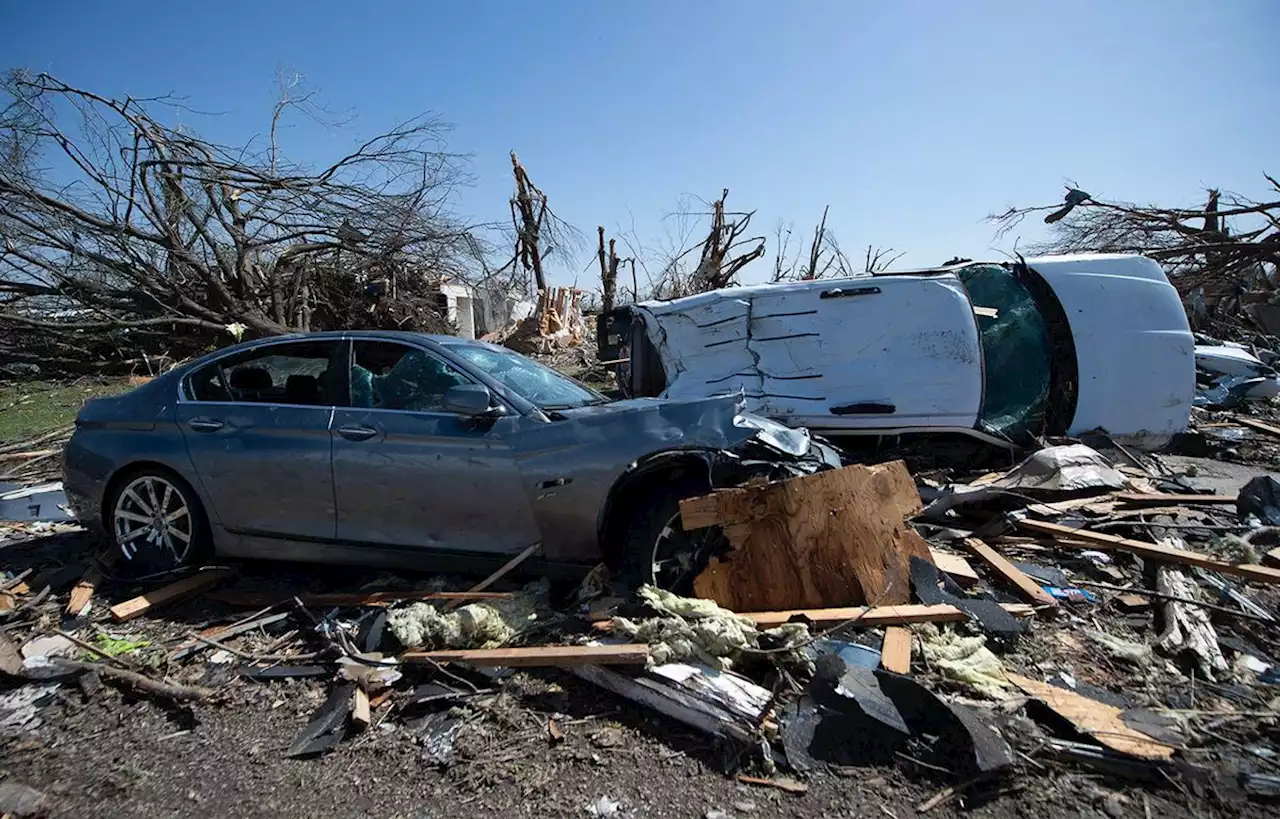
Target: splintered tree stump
x=836 y=538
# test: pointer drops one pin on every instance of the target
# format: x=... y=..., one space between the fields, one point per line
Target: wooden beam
x=262 y=600
x=869 y=617
x=1150 y=551
x=187 y=587
x=82 y=593
x=895 y=653
x=1097 y=719
x=954 y=566
x=1162 y=498
x=1262 y=426
x=1030 y=590
x=626 y=654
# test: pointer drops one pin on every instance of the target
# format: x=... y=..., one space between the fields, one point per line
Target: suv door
x=409 y=474
x=256 y=425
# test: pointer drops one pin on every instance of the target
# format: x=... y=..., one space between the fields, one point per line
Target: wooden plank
x=1261 y=426
x=1163 y=498
x=187 y=587
x=895 y=653
x=82 y=592
x=1097 y=719
x=626 y=654
x=955 y=566
x=191 y=647
x=878 y=615
x=1133 y=602
x=503 y=570
x=833 y=538
x=1151 y=551
x=262 y=600
x=1029 y=589
x=360 y=717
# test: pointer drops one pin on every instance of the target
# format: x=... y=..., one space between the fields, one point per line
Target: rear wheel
x=659 y=551
x=156 y=522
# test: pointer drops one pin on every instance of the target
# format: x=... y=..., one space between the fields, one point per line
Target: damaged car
x=1002 y=351
x=401 y=449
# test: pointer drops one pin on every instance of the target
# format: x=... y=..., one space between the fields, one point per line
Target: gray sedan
x=401 y=449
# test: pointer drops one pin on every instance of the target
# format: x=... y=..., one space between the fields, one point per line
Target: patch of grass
x=29 y=408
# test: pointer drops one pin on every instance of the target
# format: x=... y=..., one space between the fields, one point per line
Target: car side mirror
x=471 y=400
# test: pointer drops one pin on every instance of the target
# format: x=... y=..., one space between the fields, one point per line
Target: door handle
x=205 y=424
x=357 y=433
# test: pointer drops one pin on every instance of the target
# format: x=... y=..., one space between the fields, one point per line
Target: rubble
x=1111 y=616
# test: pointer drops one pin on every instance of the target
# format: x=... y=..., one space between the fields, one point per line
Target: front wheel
x=157 y=523
x=660 y=552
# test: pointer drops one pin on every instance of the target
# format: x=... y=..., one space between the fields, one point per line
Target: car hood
x=1135 y=354
x=701 y=412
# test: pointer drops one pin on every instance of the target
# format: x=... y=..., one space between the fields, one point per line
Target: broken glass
x=1015 y=350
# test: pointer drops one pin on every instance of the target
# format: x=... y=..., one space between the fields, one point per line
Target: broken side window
x=388 y=375
x=1016 y=353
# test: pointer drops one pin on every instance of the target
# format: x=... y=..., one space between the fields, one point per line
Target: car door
x=256 y=426
x=409 y=474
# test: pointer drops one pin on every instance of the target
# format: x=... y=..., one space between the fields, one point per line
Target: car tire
x=155 y=522
x=654 y=538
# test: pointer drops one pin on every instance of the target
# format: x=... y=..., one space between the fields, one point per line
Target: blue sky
x=913 y=120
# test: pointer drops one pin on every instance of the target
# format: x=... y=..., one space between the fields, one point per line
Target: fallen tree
x=124 y=239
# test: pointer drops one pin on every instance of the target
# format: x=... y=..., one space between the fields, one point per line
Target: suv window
x=387 y=375
x=279 y=374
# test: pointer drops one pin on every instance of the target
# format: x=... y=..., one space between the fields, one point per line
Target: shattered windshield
x=1015 y=350
x=541 y=385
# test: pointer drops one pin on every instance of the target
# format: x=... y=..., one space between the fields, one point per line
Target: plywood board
x=830 y=539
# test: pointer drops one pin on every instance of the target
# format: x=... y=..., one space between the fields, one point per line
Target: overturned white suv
x=998 y=350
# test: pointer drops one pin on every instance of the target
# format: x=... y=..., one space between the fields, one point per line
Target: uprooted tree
x=1223 y=256
x=123 y=237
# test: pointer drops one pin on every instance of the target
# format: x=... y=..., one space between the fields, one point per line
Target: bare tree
x=1231 y=238
x=824 y=260
x=722 y=253
x=880 y=259
x=609 y=272
x=137 y=234
x=539 y=232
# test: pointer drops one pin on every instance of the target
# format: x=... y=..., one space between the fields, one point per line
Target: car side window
x=387 y=375
x=279 y=374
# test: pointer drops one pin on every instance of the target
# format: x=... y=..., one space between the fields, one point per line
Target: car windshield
x=1015 y=350
x=541 y=385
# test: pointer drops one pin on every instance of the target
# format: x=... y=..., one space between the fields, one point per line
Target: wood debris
x=1097 y=719
x=1028 y=588
x=895 y=652
x=563 y=656
x=182 y=589
x=828 y=539
x=1150 y=551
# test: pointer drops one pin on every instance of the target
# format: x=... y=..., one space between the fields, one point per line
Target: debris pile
x=1088 y=608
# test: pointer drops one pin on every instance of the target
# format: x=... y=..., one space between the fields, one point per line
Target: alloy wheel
x=679 y=556
x=152 y=514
